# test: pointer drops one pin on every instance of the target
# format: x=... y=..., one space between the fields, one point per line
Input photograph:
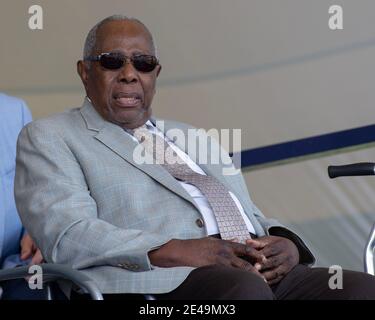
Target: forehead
x=125 y=36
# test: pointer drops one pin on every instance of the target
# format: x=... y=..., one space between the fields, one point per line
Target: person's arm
x=29 y=250
x=207 y=251
x=56 y=208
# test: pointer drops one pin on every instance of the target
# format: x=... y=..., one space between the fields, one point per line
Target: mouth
x=127 y=100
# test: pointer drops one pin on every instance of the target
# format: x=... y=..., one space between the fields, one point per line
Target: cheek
x=148 y=89
x=102 y=85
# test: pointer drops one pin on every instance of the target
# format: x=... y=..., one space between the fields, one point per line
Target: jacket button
x=199 y=222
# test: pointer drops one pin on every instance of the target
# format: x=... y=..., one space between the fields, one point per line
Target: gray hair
x=91 y=38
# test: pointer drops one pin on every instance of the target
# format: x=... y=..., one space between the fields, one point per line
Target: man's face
x=121 y=96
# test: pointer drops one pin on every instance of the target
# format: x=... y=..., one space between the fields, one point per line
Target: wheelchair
x=53 y=273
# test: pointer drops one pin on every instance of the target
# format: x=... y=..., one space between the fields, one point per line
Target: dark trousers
x=302 y=282
x=228 y=283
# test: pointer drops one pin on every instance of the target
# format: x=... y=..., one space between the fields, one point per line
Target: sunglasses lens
x=144 y=63
x=111 y=61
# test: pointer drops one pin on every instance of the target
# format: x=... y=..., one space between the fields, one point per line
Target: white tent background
x=272 y=68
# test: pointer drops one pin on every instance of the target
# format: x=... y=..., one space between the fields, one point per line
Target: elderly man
x=176 y=230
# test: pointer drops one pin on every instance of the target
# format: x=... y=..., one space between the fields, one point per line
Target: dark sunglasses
x=116 y=60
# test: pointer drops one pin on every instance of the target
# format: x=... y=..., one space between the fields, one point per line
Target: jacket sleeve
x=56 y=208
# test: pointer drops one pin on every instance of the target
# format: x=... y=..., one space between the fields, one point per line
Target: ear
x=82 y=70
x=158 y=69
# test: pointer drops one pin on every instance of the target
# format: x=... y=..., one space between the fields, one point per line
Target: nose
x=128 y=74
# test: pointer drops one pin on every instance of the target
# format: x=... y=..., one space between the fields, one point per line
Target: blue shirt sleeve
x=14 y=114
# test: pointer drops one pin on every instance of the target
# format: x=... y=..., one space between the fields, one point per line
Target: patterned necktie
x=229 y=219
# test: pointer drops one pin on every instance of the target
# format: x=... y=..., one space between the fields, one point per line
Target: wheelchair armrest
x=53 y=272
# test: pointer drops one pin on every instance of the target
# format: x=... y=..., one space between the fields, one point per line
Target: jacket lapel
x=116 y=139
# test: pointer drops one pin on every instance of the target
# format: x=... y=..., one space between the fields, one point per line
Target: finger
x=274 y=273
x=37 y=258
x=249 y=252
x=256 y=244
x=26 y=247
x=244 y=265
x=271 y=262
x=26 y=253
x=271 y=250
x=254 y=255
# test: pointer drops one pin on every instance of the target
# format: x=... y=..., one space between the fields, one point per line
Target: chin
x=130 y=118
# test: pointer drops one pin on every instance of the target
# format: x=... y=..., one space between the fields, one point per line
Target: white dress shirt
x=199 y=198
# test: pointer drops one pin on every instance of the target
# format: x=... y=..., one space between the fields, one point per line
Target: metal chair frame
x=54 y=272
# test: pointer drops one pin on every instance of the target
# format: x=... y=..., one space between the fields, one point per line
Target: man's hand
x=29 y=250
x=281 y=256
x=207 y=251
